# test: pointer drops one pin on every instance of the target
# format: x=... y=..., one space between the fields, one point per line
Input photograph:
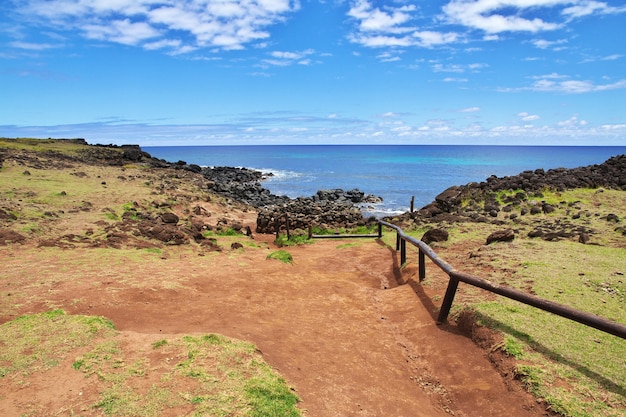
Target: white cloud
x=388 y=57
x=458 y=68
x=376 y=20
x=572 y=122
x=286 y=58
x=498 y=16
x=429 y=38
x=489 y=16
x=613 y=57
x=380 y=41
x=121 y=31
x=588 y=7
x=545 y=44
x=155 y=24
x=574 y=86
x=559 y=83
x=621 y=126
x=527 y=117
x=470 y=110
x=392 y=27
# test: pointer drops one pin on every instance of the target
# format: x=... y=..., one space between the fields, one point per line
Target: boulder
x=132 y=152
x=612 y=218
x=449 y=199
x=506 y=235
x=435 y=235
x=169 y=218
x=584 y=238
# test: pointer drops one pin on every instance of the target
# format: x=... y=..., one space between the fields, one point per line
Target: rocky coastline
x=327 y=209
x=474 y=202
x=518 y=200
x=477 y=201
x=339 y=209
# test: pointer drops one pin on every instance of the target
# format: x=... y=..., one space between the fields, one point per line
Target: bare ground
x=351 y=332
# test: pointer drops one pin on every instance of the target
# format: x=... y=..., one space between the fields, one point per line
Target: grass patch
x=293 y=240
x=229 y=231
x=557 y=352
x=43 y=145
x=41 y=341
x=281 y=255
x=358 y=230
x=203 y=375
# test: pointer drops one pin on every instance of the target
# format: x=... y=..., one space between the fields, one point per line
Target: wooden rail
x=570 y=313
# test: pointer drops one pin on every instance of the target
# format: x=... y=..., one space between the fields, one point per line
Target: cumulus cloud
x=572 y=122
x=498 y=16
x=376 y=20
x=527 y=117
x=177 y=25
x=490 y=16
x=588 y=7
x=392 y=26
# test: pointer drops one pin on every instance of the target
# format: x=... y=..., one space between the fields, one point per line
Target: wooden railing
x=455 y=276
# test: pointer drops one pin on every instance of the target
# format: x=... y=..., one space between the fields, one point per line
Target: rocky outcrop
x=478 y=202
x=241 y=184
x=326 y=209
x=310 y=211
x=518 y=200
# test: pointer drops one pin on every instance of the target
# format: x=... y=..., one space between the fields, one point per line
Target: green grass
x=371 y=229
x=41 y=341
x=557 y=352
x=293 y=240
x=42 y=145
x=281 y=255
x=207 y=374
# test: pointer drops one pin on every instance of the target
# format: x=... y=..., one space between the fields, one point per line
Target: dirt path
x=351 y=332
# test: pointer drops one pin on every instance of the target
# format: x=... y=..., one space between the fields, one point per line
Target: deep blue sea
x=395 y=173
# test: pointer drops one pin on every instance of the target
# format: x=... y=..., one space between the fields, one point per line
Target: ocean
x=396 y=173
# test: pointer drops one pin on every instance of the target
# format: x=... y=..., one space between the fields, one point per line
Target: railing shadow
x=400 y=279
x=551 y=354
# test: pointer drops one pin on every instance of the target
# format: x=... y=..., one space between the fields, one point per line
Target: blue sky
x=216 y=72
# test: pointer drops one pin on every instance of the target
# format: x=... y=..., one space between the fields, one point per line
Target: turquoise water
x=396 y=173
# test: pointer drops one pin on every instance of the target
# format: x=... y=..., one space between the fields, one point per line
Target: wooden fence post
x=422 y=265
x=446 y=305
